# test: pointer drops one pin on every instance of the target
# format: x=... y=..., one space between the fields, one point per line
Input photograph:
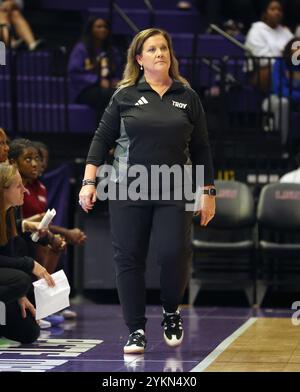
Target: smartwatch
x=210 y=192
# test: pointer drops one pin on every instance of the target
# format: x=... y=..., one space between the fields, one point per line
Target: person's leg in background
x=278 y=107
x=4 y=32
x=22 y=28
x=131 y=223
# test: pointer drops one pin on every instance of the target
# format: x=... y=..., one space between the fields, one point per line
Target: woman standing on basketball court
x=154 y=118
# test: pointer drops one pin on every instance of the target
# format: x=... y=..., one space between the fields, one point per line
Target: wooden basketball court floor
x=216 y=340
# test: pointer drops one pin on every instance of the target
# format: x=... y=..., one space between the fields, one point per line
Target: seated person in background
x=267 y=38
x=26 y=157
x=29 y=224
x=94 y=67
x=16 y=266
x=24 y=153
x=44 y=155
x=285 y=89
x=10 y=14
x=286 y=74
x=73 y=236
x=3 y=146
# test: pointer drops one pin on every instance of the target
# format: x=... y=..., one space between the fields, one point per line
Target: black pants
x=131 y=225
x=97 y=98
x=13 y=285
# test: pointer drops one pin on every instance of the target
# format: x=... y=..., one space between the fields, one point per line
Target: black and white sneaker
x=173 y=329
x=136 y=343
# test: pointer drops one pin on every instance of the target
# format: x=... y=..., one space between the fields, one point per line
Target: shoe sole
x=175 y=342
x=45 y=326
x=134 y=350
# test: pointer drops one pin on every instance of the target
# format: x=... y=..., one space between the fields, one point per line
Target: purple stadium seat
x=140 y=17
x=36 y=117
x=70 y=5
x=41 y=89
x=5 y=116
x=49 y=118
x=36 y=63
x=178 y=21
x=157 y=4
x=183 y=44
x=216 y=46
x=82 y=119
x=173 y=21
x=82 y=5
x=5 y=89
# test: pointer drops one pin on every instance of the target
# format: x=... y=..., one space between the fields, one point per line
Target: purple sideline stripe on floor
x=94 y=342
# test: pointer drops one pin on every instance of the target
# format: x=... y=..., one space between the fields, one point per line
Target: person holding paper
x=23 y=153
x=26 y=155
x=16 y=267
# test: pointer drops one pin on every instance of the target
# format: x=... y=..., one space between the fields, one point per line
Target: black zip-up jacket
x=12 y=255
x=18 y=251
x=152 y=130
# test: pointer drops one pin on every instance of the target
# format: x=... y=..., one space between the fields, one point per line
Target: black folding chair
x=224 y=251
x=278 y=216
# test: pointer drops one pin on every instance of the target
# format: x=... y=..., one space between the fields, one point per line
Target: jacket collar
x=142 y=85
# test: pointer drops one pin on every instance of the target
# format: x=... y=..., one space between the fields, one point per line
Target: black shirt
x=12 y=255
x=16 y=253
x=153 y=130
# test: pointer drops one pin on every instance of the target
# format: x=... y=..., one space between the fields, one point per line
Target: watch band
x=210 y=191
x=88 y=182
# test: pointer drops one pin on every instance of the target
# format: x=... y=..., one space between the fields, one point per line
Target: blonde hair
x=2 y=132
x=7 y=218
x=132 y=71
x=4 y=135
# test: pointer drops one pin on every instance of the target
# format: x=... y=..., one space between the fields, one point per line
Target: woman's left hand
x=57 y=243
x=24 y=304
x=207 y=210
x=75 y=236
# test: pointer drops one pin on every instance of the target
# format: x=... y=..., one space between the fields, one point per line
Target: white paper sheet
x=45 y=222
x=49 y=300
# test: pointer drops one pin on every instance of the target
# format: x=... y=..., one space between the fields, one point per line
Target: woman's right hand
x=24 y=304
x=40 y=272
x=87 y=197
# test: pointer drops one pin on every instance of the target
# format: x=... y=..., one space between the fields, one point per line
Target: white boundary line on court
x=223 y=346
